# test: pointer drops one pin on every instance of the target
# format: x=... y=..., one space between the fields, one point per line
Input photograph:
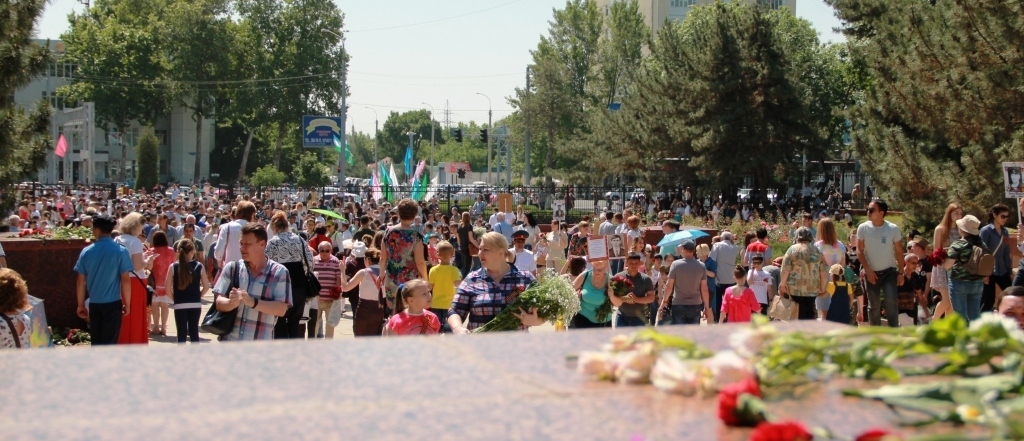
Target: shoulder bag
x=312 y=283
x=221 y=323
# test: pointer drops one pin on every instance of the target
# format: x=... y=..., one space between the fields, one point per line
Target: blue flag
x=408 y=160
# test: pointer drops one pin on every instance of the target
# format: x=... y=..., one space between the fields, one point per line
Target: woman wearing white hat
x=965 y=287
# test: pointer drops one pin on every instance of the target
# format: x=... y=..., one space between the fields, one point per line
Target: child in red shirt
x=416 y=318
x=739 y=301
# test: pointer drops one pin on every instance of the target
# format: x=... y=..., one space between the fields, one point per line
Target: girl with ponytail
x=186 y=282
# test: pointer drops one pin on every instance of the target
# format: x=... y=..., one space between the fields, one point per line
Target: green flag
x=348 y=150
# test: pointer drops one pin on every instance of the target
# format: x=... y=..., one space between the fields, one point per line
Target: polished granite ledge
x=482 y=387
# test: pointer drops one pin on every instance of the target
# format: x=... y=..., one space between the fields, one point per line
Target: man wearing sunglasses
x=995 y=236
x=880 y=251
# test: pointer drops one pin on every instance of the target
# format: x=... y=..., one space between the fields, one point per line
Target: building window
x=683 y=3
x=163 y=167
x=163 y=136
x=774 y=4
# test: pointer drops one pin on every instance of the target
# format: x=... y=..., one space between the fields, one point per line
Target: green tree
x=115 y=47
x=944 y=102
x=267 y=176
x=310 y=173
x=563 y=64
x=196 y=38
x=394 y=140
x=148 y=152
x=301 y=49
x=24 y=139
x=722 y=97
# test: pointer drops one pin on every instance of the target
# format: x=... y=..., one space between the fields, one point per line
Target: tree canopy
x=945 y=99
x=24 y=133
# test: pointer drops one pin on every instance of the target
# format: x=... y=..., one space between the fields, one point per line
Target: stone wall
x=48 y=269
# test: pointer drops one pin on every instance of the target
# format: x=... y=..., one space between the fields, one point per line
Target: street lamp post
x=490 y=179
x=344 y=108
x=376 y=133
x=431 y=134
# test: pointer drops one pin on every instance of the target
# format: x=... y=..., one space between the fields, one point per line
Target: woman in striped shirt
x=331 y=276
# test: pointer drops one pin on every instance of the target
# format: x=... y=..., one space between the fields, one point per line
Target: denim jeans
x=622 y=320
x=718 y=296
x=965 y=295
x=686 y=314
x=885 y=282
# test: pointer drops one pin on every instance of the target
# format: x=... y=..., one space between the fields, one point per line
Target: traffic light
x=483 y=136
x=462 y=173
x=457 y=134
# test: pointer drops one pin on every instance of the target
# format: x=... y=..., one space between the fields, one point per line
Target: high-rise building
x=658 y=11
x=103 y=161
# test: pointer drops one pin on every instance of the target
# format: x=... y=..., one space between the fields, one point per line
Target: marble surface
x=482 y=387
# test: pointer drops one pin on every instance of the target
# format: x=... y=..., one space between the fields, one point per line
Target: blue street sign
x=320 y=131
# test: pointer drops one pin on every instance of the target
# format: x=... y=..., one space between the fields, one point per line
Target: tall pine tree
x=24 y=133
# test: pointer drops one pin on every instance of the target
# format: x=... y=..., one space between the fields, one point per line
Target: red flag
x=62 y=147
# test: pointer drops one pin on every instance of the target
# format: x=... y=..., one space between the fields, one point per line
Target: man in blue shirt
x=103 y=268
x=503 y=227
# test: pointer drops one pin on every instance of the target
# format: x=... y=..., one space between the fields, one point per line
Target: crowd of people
x=289 y=267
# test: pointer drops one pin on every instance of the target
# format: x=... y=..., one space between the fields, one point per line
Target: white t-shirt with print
x=759 y=281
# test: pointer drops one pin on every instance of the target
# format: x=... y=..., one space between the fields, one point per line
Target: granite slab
x=510 y=386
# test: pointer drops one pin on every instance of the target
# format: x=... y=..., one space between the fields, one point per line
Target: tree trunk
x=548 y=157
x=199 y=148
x=277 y=146
x=245 y=156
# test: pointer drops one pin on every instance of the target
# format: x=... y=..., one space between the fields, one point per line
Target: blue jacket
x=992 y=239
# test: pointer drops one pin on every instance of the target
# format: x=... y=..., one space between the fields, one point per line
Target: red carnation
x=878 y=434
x=781 y=431
x=937 y=257
x=729 y=410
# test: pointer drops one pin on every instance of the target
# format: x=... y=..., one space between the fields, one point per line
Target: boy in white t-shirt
x=759 y=281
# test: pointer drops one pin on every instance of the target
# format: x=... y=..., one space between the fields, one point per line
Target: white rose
x=747 y=342
x=672 y=374
x=596 y=364
x=723 y=369
x=1000 y=321
x=618 y=343
x=634 y=367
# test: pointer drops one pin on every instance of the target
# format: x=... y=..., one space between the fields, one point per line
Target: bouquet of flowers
x=937 y=257
x=621 y=286
x=552 y=295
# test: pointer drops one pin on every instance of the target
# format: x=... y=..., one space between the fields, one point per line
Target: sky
x=405 y=53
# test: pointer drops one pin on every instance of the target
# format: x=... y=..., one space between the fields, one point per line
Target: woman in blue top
x=704 y=255
x=593 y=288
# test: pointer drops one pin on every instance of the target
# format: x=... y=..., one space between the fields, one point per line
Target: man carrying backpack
x=970 y=263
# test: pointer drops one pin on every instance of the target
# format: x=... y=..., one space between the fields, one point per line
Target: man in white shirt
x=228 y=248
x=525 y=260
x=880 y=252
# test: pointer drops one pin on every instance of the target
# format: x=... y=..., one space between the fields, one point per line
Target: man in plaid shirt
x=268 y=288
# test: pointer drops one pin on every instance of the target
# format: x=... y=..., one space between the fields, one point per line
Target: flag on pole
x=419 y=170
x=408 y=161
x=62 y=147
x=385 y=183
x=431 y=189
x=375 y=185
x=348 y=150
x=393 y=178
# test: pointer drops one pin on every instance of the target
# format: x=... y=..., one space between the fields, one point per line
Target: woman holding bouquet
x=593 y=288
x=486 y=291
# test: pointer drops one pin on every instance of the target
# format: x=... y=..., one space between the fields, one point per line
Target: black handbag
x=312 y=283
x=221 y=323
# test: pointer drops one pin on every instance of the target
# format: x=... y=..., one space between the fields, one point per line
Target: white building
x=176 y=132
x=658 y=11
